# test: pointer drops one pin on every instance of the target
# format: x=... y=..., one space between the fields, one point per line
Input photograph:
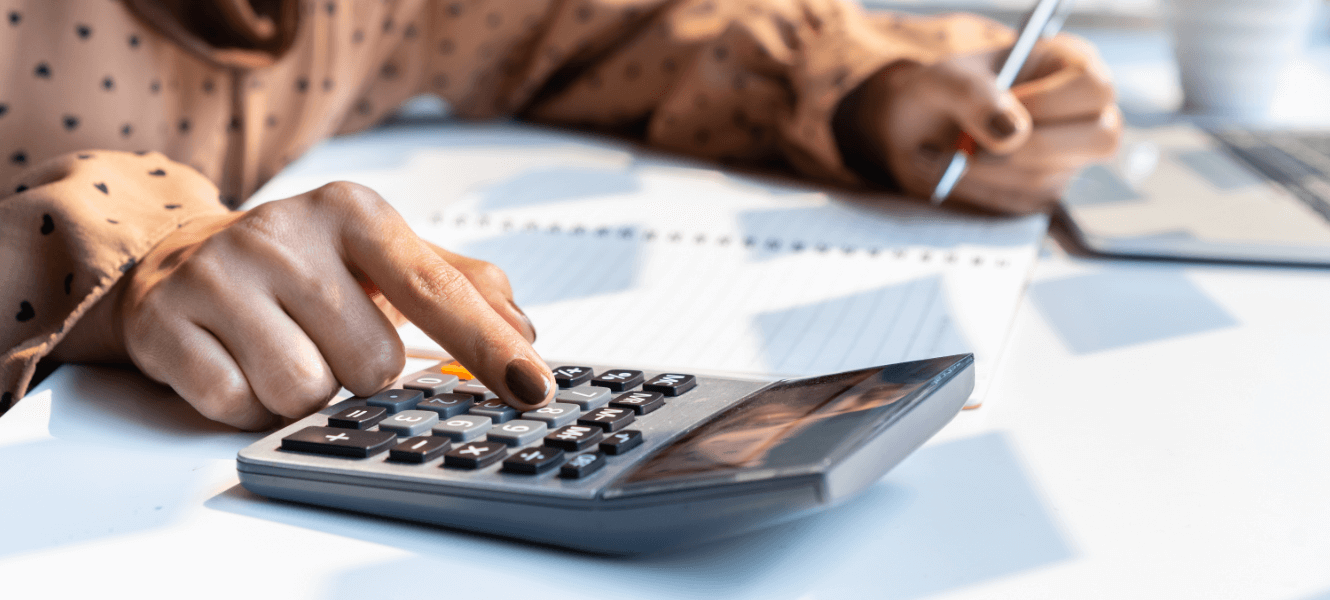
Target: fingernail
x=528 y=383
x=1001 y=125
x=529 y=325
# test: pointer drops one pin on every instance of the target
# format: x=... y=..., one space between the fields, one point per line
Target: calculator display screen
x=791 y=424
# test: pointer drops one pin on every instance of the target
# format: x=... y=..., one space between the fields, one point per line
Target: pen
x=1043 y=21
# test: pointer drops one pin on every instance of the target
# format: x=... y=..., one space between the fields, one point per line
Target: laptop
x=1182 y=192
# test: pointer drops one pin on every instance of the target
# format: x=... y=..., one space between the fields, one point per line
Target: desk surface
x=1157 y=430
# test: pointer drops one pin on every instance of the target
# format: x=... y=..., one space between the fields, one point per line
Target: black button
x=358 y=417
x=530 y=461
x=568 y=377
x=475 y=455
x=608 y=418
x=431 y=383
x=640 y=402
x=338 y=442
x=574 y=438
x=396 y=400
x=582 y=465
x=419 y=449
x=619 y=443
x=671 y=384
x=618 y=379
x=447 y=405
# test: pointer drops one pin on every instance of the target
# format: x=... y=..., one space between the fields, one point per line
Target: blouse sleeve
x=69 y=229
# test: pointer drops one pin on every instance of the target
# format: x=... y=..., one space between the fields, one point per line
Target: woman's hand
x=267 y=313
x=1059 y=117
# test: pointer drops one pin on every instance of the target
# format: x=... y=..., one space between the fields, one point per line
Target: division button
x=419 y=449
x=557 y=414
x=619 y=443
x=582 y=465
x=409 y=422
x=618 y=380
x=530 y=461
x=517 y=433
x=463 y=428
x=475 y=455
x=447 y=405
x=358 y=417
x=568 y=377
x=671 y=384
x=430 y=383
x=477 y=390
x=609 y=418
x=338 y=442
x=396 y=400
x=575 y=438
x=640 y=402
x=497 y=410
x=585 y=397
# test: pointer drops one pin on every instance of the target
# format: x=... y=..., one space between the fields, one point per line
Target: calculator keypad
x=517 y=433
x=618 y=380
x=358 y=417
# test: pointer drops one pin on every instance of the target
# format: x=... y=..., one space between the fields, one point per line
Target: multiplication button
x=531 y=461
x=574 y=438
x=358 y=417
x=573 y=376
x=671 y=384
x=586 y=397
x=640 y=402
x=582 y=465
x=338 y=442
x=609 y=418
x=475 y=455
x=618 y=380
x=619 y=443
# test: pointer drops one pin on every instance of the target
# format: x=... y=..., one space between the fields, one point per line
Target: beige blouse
x=118 y=124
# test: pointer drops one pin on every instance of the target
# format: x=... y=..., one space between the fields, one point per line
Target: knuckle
x=488 y=275
x=301 y=393
x=350 y=197
x=380 y=364
x=228 y=400
x=436 y=281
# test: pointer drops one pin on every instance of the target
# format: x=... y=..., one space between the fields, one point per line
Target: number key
x=609 y=418
x=447 y=405
x=409 y=422
x=557 y=414
x=463 y=428
x=497 y=410
x=517 y=433
x=587 y=397
x=430 y=383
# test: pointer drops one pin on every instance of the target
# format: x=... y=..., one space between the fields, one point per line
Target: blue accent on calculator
x=624 y=461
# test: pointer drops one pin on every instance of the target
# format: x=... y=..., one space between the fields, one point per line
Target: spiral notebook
x=622 y=256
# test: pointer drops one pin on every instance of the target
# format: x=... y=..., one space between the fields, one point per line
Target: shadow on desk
x=952 y=515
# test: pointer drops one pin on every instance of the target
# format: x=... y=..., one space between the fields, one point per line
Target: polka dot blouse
x=121 y=120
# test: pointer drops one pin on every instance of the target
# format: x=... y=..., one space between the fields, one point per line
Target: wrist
x=860 y=124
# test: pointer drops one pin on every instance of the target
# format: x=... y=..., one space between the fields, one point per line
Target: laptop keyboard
x=1298 y=161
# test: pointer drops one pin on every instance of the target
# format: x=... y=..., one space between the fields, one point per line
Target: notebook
x=621 y=255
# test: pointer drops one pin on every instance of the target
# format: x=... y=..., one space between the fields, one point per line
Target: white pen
x=1044 y=21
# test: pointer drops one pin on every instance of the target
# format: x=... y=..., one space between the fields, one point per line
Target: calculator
x=623 y=461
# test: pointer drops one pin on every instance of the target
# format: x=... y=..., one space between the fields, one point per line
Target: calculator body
x=730 y=455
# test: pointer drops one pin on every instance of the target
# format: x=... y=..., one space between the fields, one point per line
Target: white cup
x=1231 y=52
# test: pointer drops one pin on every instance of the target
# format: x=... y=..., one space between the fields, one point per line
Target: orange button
x=453 y=368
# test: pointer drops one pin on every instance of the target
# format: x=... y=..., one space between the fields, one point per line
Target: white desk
x=1156 y=430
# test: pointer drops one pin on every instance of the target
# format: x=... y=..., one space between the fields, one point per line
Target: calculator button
x=618 y=379
x=557 y=414
x=497 y=410
x=530 y=461
x=447 y=405
x=568 y=377
x=608 y=418
x=517 y=433
x=619 y=443
x=640 y=402
x=430 y=383
x=395 y=400
x=358 y=417
x=587 y=397
x=338 y=442
x=419 y=449
x=671 y=384
x=409 y=422
x=463 y=428
x=476 y=390
x=574 y=438
x=475 y=455
x=582 y=465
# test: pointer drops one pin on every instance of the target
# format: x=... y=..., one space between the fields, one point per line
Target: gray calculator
x=623 y=461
